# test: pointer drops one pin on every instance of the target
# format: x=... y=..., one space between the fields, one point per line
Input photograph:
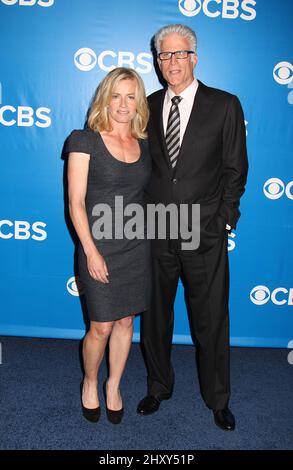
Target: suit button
x=174 y=180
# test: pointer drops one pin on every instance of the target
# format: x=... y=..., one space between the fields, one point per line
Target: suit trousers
x=205 y=277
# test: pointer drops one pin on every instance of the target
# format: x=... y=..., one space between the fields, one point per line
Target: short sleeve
x=79 y=141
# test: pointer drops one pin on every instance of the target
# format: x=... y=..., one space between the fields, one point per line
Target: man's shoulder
x=156 y=96
x=221 y=96
x=216 y=93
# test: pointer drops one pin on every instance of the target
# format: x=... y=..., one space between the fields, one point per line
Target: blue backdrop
x=53 y=55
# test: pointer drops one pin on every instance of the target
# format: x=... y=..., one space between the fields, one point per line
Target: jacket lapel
x=199 y=113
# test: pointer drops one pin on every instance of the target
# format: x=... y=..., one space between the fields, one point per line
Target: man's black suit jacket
x=212 y=165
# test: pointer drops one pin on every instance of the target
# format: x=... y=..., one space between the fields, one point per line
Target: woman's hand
x=97 y=267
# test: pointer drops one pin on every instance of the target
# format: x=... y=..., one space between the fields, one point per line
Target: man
x=198 y=147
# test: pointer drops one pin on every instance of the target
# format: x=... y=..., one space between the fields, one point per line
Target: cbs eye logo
x=283 y=73
x=85 y=59
x=74 y=286
x=274 y=188
x=190 y=7
x=260 y=295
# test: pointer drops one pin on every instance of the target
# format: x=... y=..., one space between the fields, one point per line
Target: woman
x=110 y=158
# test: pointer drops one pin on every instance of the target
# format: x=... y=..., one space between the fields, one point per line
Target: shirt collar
x=186 y=94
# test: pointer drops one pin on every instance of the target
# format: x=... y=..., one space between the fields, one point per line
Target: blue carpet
x=40 y=402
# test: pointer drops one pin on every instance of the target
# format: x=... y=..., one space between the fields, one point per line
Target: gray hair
x=181 y=29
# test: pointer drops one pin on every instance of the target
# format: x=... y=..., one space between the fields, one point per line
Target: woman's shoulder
x=81 y=140
x=85 y=133
x=144 y=145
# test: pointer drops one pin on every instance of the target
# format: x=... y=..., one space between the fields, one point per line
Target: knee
x=101 y=331
x=126 y=322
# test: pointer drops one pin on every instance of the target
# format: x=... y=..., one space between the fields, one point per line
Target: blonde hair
x=98 y=119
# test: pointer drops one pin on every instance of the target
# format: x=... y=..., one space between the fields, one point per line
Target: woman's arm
x=78 y=166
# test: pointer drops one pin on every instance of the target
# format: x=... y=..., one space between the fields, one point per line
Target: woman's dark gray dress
x=128 y=260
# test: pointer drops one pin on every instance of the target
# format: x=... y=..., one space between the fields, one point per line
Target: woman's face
x=122 y=106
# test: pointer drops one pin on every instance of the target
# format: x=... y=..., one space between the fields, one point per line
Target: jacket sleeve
x=235 y=164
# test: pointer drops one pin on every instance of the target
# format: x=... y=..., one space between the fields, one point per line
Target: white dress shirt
x=185 y=106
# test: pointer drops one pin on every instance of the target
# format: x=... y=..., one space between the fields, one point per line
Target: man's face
x=177 y=72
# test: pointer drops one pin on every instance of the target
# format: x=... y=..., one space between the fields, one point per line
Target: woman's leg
x=93 y=351
x=119 y=347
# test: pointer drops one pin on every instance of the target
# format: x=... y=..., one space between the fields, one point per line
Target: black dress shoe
x=114 y=416
x=91 y=414
x=224 y=419
x=148 y=405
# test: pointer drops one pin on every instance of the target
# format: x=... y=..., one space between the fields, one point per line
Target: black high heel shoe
x=91 y=414
x=113 y=416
